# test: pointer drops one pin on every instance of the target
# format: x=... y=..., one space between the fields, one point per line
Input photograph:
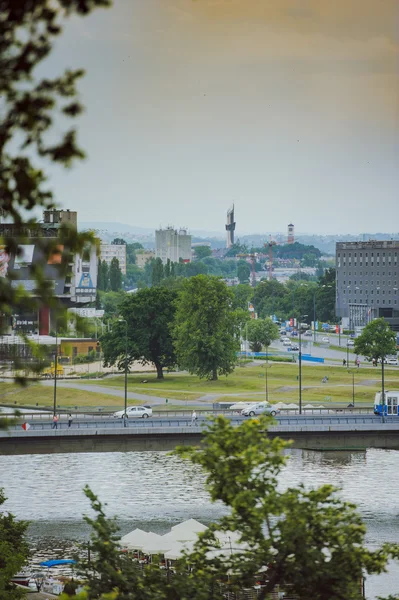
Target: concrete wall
x=319 y=437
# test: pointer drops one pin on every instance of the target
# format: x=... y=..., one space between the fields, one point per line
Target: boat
x=22 y=578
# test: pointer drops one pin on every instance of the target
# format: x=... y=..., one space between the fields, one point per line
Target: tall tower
x=291 y=234
x=230 y=227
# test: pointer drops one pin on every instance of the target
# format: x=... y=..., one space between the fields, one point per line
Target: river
x=154 y=490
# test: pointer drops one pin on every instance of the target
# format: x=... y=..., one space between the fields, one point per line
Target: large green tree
x=202 y=252
x=261 y=332
x=148 y=314
x=14 y=551
x=206 y=328
x=157 y=273
x=309 y=542
x=243 y=271
x=115 y=275
x=377 y=341
x=34 y=109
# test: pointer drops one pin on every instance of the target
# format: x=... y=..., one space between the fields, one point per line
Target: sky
x=288 y=108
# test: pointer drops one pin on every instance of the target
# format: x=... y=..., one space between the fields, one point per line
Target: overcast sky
x=288 y=108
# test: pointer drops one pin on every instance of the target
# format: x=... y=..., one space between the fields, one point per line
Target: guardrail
x=25 y=416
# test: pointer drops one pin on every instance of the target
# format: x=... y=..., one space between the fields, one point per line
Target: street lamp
x=266 y=381
x=126 y=353
x=353 y=386
x=300 y=364
x=55 y=369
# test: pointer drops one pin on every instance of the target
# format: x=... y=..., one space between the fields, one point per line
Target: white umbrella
x=157 y=544
x=136 y=539
x=176 y=551
x=188 y=528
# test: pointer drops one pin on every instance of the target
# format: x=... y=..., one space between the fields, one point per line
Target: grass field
x=246 y=383
x=35 y=395
x=250 y=382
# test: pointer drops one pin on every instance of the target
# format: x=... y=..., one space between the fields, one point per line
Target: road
x=108 y=422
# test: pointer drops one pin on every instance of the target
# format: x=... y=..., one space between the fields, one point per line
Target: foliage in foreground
x=309 y=540
x=13 y=551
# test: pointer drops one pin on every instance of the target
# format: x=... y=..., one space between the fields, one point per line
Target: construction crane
x=251 y=256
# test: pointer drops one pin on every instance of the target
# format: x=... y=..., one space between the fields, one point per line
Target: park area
x=247 y=383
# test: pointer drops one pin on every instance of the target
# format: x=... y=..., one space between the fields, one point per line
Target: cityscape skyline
x=287 y=109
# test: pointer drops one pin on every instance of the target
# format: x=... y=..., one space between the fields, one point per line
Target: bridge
x=352 y=431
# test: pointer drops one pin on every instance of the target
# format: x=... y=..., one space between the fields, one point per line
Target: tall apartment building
x=367 y=282
x=110 y=251
x=173 y=245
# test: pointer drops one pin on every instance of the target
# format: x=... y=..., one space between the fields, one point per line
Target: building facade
x=74 y=287
x=143 y=257
x=173 y=245
x=110 y=251
x=367 y=282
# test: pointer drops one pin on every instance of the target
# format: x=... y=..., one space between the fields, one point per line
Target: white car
x=260 y=409
x=350 y=343
x=287 y=342
x=325 y=340
x=391 y=360
x=134 y=412
x=308 y=333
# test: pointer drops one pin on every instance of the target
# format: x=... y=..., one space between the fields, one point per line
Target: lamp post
x=266 y=380
x=126 y=353
x=55 y=369
x=300 y=364
x=353 y=386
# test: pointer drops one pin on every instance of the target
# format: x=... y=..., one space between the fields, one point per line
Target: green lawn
x=282 y=383
x=34 y=395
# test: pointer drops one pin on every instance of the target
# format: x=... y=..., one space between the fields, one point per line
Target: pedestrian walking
x=69 y=420
x=55 y=422
x=358 y=362
x=344 y=362
x=194 y=418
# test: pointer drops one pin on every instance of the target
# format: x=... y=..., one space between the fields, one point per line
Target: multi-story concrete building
x=367 y=282
x=74 y=287
x=143 y=257
x=110 y=251
x=173 y=245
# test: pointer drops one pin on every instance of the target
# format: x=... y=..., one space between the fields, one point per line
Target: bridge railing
x=107 y=415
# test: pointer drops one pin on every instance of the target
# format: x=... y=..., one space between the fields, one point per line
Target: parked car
x=350 y=343
x=294 y=347
x=287 y=342
x=308 y=333
x=134 y=412
x=325 y=340
x=260 y=409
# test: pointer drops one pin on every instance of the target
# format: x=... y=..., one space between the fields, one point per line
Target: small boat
x=22 y=578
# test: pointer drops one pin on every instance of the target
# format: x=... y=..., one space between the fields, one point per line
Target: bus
x=391 y=403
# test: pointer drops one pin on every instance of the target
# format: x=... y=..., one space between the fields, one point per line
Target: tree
x=202 y=252
x=261 y=332
x=30 y=107
x=118 y=242
x=325 y=296
x=377 y=341
x=149 y=314
x=243 y=271
x=311 y=542
x=14 y=551
x=242 y=294
x=100 y=276
x=206 y=329
x=115 y=276
x=157 y=272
